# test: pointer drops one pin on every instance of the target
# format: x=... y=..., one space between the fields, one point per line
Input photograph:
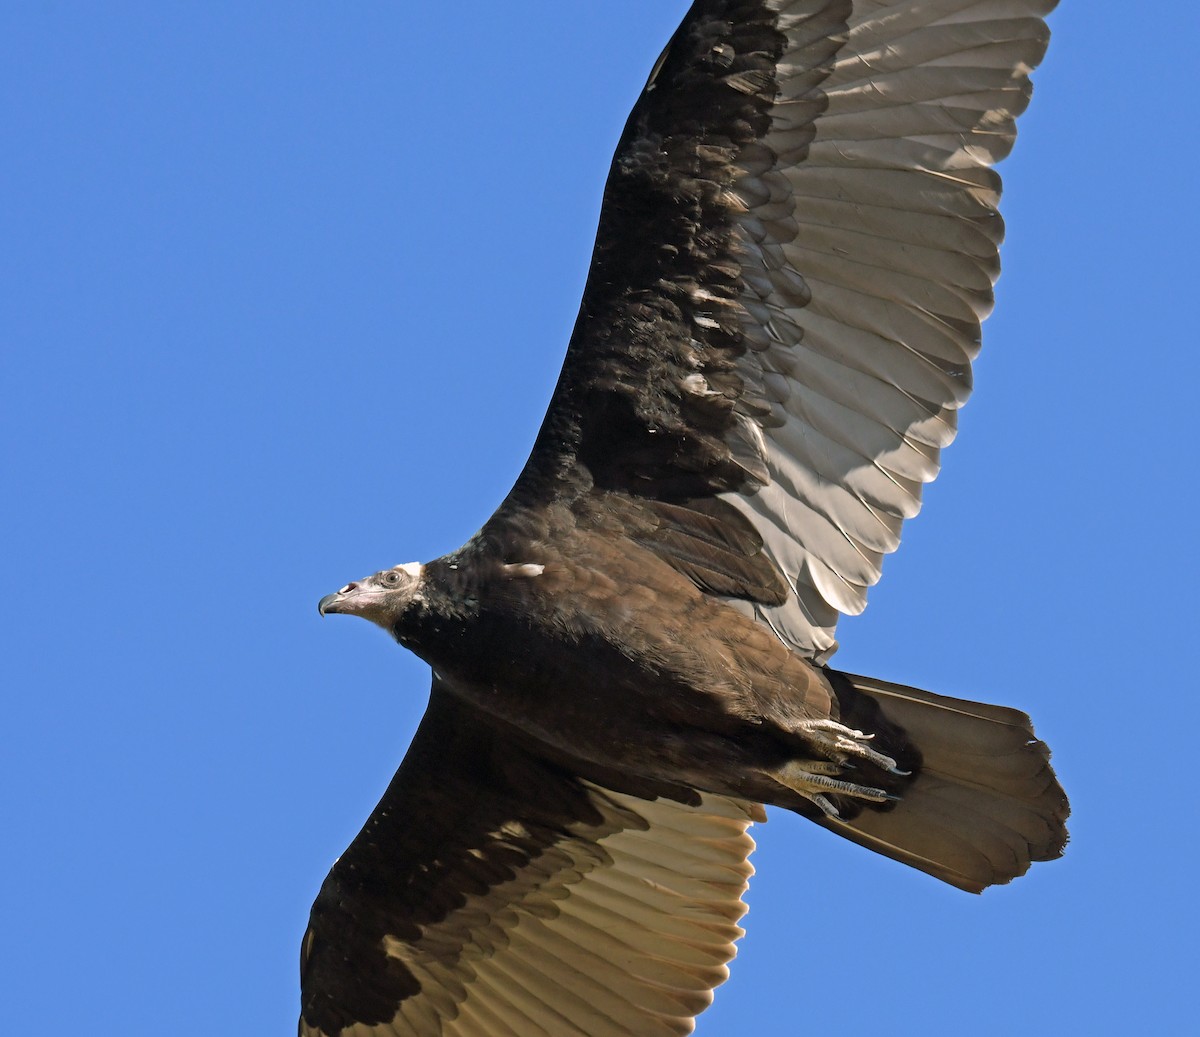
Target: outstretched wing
x=798 y=243
x=492 y=894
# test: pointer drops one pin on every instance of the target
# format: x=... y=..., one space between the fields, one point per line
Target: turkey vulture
x=797 y=246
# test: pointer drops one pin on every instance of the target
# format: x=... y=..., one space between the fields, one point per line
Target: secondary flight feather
x=798 y=243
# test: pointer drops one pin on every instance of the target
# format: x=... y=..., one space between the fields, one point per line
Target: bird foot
x=837 y=742
x=814 y=781
x=840 y=746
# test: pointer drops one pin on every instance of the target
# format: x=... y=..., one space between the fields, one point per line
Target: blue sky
x=285 y=291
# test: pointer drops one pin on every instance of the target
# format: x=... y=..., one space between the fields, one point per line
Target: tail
x=984 y=802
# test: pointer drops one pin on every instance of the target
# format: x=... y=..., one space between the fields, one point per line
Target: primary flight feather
x=798 y=243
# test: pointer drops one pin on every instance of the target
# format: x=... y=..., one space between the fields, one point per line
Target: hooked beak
x=362 y=598
x=339 y=601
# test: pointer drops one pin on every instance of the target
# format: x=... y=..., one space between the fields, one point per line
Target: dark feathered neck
x=447 y=604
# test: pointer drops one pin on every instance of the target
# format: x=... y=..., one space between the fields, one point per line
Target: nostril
x=348 y=587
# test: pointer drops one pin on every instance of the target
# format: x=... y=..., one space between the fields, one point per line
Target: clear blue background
x=285 y=289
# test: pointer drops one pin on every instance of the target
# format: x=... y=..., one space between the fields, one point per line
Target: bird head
x=382 y=598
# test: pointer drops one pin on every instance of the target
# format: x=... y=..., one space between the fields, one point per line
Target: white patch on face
x=413 y=569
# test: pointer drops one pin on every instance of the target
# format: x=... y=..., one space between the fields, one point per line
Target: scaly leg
x=813 y=781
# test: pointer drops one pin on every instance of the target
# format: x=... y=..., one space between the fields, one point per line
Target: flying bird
x=798 y=242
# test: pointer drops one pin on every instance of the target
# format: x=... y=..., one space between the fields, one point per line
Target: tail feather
x=985 y=802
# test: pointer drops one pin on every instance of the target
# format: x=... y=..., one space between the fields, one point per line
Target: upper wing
x=492 y=894
x=798 y=243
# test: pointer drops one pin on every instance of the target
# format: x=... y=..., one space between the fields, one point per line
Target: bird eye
x=391 y=578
